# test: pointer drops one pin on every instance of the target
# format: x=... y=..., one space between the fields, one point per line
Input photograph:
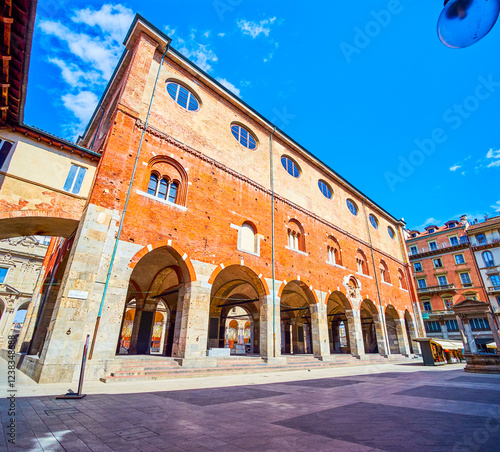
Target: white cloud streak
x=229 y=86
x=255 y=29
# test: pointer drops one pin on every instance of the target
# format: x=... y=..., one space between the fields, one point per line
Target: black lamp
x=464 y=22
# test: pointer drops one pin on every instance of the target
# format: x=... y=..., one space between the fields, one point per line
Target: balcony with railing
x=462 y=243
x=493 y=289
x=486 y=242
x=437 y=289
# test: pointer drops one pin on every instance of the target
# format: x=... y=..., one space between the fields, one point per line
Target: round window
x=373 y=221
x=183 y=96
x=352 y=207
x=325 y=189
x=243 y=136
x=290 y=166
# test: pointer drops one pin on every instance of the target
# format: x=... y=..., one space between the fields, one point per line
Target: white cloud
x=82 y=105
x=493 y=155
x=74 y=76
x=201 y=54
x=111 y=19
x=102 y=55
x=221 y=35
x=427 y=222
x=496 y=206
x=87 y=52
x=255 y=29
x=229 y=86
x=170 y=31
x=455 y=167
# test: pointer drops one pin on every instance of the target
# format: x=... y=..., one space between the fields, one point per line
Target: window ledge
x=362 y=274
x=404 y=290
x=386 y=283
x=333 y=264
x=162 y=201
x=249 y=252
x=296 y=251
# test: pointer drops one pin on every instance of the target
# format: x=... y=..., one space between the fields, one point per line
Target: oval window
x=373 y=221
x=391 y=232
x=325 y=189
x=183 y=96
x=243 y=136
x=352 y=207
x=290 y=166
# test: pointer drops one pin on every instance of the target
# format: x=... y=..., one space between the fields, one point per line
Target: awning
x=445 y=343
x=491 y=345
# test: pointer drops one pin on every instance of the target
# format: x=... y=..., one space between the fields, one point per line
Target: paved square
x=218 y=396
x=392 y=428
x=346 y=409
x=323 y=383
x=453 y=393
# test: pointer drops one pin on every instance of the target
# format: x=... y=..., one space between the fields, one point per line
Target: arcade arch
x=370 y=326
x=340 y=323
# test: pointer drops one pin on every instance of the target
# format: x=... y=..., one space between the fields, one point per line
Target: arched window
x=168 y=180
x=325 y=189
x=373 y=221
x=488 y=259
x=248 y=238
x=351 y=205
x=153 y=184
x=172 y=193
x=334 y=254
x=402 y=280
x=183 y=96
x=290 y=166
x=243 y=136
x=391 y=232
x=295 y=236
x=384 y=272
x=362 y=263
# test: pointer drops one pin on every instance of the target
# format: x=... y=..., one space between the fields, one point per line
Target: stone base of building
x=483 y=364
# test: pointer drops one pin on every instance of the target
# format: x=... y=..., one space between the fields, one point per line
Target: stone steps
x=144 y=369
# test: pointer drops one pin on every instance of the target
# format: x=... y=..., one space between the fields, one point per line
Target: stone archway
x=303 y=321
x=371 y=328
x=340 y=323
x=393 y=326
x=410 y=331
x=237 y=307
x=154 y=314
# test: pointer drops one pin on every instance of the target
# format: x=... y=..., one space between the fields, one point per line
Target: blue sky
x=365 y=86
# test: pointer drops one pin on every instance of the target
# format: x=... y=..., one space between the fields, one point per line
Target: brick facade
x=187 y=255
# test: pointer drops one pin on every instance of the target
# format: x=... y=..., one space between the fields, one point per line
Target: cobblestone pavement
x=390 y=408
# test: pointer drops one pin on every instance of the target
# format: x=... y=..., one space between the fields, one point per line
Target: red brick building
x=208 y=228
x=446 y=273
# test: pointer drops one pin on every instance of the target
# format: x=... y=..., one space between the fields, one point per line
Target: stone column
x=270 y=341
x=139 y=304
x=29 y=322
x=380 y=332
x=470 y=337
x=75 y=314
x=6 y=321
x=193 y=329
x=404 y=346
x=463 y=335
x=355 y=332
x=295 y=344
x=494 y=330
x=444 y=328
x=319 y=325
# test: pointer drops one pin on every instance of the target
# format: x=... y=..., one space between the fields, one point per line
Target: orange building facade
x=208 y=229
x=446 y=273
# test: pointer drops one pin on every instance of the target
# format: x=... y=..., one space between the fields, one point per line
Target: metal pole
x=272 y=238
x=117 y=241
x=70 y=394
